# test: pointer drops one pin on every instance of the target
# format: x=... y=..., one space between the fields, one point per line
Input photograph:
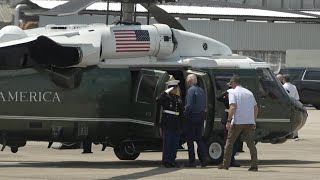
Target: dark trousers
x=248 y=132
x=194 y=133
x=171 y=141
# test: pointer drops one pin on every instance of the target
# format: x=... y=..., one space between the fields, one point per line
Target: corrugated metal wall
x=237 y=35
x=259 y=36
x=291 y=4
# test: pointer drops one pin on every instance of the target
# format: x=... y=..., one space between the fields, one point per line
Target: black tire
x=317 y=106
x=123 y=154
x=14 y=149
x=215 y=149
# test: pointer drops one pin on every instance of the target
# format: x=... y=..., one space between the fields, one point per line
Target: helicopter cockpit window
x=269 y=87
x=146 y=89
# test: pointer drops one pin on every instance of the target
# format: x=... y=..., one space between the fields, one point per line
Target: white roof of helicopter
x=233 y=61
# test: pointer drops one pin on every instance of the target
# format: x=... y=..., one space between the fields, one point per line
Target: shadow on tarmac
x=280 y=163
x=143 y=174
x=139 y=164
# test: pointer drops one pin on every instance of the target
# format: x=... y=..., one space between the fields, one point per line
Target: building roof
x=185 y=9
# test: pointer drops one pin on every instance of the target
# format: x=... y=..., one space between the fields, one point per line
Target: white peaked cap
x=172 y=83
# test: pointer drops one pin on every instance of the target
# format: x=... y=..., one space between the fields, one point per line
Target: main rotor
x=127 y=10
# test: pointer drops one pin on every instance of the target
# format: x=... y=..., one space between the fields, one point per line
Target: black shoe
x=204 y=163
x=235 y=165
x=191 y=165
x=176 y=165
x=223 y=167
x=255 y=169
x=296 y=138
x=168 y=165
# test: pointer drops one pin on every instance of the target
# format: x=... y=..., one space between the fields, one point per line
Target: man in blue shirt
x=195 y=114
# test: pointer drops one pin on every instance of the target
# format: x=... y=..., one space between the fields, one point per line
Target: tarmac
x=292 y=160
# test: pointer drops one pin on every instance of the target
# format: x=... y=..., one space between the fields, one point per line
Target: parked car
x=307 y=81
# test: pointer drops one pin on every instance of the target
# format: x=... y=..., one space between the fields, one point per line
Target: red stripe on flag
x=123 y=31
x=122 y=40
x=125 y=37
x=132 y=50
x=132 y=43
x=133 y=47
x=118 y=34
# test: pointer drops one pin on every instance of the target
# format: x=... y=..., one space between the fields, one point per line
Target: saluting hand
x=168 y=90
x=228 y=125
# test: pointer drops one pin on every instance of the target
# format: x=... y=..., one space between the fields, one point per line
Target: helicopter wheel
x=215 y=149
x=126 y=152
x=14 y=149
x=317 y=106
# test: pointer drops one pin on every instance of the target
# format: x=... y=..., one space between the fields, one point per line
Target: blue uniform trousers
x=171 y=141
x=194 y=133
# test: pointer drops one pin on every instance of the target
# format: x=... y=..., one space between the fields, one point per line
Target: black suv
x=307 y=81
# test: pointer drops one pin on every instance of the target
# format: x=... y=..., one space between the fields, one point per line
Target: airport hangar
x=265 y=34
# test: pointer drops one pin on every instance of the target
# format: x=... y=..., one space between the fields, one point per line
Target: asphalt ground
x=289 y=161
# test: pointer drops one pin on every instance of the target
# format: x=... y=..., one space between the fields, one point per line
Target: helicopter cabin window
x=146 y=89
x=221 y=81
x=268 y=85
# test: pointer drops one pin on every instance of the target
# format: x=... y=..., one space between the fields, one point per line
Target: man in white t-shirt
x=290 y=88
x=293 y=92
x=242 y=117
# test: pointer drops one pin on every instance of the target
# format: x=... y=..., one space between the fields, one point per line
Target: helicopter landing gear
x=14 y=149
x=126 y=152
x=215 y=149
x=317 y=106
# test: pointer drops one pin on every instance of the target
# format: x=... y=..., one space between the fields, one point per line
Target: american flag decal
x=132 y=40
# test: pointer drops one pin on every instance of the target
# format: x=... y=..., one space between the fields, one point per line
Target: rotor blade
x=163 y=17
x=70 y=8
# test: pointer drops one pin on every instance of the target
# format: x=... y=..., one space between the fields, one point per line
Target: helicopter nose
x=298 y=116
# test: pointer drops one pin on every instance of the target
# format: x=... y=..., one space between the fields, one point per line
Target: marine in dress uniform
x=171 y=123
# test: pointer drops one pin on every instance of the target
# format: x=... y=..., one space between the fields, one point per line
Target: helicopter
x=98 y=84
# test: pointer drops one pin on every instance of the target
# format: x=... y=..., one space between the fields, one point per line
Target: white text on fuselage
x=25 y=96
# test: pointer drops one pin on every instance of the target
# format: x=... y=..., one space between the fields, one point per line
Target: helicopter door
x=205 y=83
x=148 y=85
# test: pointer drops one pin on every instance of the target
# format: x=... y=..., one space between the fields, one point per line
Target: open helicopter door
x=148 y=85
x=205 y=83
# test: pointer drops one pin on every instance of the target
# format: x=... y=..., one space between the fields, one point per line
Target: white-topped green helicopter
x=98 y=83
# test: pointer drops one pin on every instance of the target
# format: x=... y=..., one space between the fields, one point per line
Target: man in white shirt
x=293 y=92
x=242 y=117
x=290 y=88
